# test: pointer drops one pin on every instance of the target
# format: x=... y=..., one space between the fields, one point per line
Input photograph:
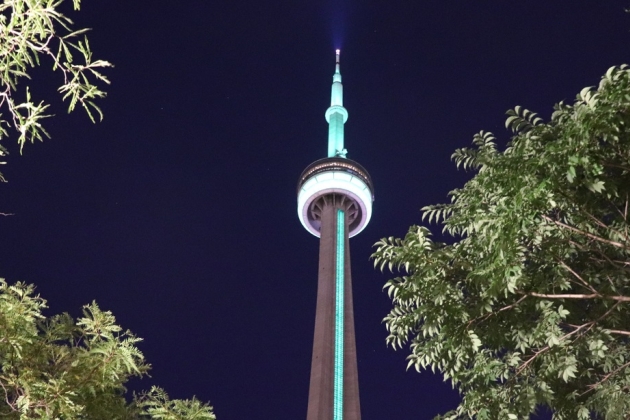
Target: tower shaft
x=334 y=385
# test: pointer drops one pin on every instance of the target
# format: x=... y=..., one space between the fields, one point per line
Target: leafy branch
x=29 y=30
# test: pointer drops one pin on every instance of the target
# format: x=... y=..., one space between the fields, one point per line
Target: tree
x=528 y=306
x=58 y=368
x=30 y=30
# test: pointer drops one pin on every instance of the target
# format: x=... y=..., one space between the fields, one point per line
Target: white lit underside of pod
x=335 y=182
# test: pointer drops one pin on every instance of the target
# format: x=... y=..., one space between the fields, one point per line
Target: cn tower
x=335 y=197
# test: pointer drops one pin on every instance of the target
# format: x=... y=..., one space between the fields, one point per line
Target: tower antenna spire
x=336 y=115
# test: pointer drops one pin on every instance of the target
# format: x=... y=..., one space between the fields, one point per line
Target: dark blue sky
x=178 y=211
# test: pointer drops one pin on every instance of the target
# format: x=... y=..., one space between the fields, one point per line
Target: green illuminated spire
x=336 y=115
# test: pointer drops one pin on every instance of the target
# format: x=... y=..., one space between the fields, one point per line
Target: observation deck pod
x=339 y=177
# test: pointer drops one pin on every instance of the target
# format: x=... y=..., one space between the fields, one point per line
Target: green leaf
x=596 y=186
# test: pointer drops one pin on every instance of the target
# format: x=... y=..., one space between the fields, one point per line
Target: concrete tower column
x=322 y=387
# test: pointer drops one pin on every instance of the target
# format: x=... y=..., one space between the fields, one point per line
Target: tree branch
x=620 y=332
x=589 y=235
x=579 y=296
x=618 y=264
x=588 y=326
x=6 y=397
x=547 y=347
x=505 y=308
x=605 y=378
x=584 y=282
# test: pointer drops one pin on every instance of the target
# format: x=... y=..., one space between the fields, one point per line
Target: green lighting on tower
x=336 y=115
x=339 y=309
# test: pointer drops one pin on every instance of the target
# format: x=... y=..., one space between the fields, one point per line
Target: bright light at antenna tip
x=338 y=51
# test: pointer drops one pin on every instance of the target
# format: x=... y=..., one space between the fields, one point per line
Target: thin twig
x=505 y=308
x=607 y=377
x=547 y=347
x=6 y=397
x=584 y=282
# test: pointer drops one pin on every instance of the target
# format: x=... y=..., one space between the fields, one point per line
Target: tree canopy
x=527 y=305
x=58 y=368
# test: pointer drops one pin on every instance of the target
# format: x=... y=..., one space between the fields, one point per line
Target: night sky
x=178 y=211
